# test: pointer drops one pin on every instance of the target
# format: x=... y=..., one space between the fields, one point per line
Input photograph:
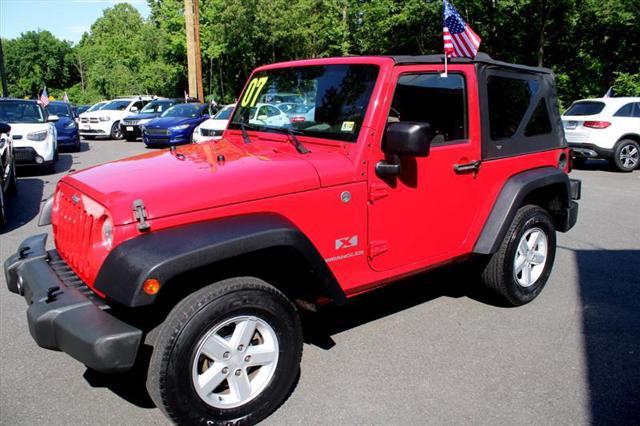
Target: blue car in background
x=175 y=125
x=131 y=125
x=68 y=136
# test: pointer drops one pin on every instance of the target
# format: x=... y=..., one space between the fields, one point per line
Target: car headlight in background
x=180 y=127
x=144 y=121
x=104 y=118
x=38 y=136
x=70 y=125
x=107 y=233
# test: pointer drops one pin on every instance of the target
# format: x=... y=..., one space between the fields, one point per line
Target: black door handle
x=473 y=166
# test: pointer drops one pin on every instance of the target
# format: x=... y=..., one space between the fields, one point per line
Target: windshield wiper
x=296 y=142
x=245 y=135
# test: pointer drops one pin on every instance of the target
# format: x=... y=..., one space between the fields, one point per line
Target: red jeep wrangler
x=388 y=169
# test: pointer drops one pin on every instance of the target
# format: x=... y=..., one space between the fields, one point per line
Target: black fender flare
x=167 y=253
x=510 y=200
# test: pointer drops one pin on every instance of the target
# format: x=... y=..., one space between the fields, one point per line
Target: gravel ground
x=428 y=350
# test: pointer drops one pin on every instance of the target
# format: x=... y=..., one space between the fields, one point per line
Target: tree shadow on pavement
x=610 y=295
x=25 y=205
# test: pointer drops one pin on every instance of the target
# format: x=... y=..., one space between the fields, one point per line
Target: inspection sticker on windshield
x=347 y=126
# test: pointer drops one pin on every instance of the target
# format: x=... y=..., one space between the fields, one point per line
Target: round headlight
x=107 y=233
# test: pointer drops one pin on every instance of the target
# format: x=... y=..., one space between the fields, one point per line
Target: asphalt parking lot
x=431 y=350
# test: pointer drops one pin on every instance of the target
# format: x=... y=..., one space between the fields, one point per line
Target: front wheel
x=227 y=353
x=116 y=133
x=627 y=155
x=520 y=268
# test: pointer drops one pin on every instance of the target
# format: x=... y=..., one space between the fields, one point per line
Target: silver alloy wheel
x=629 y=156
x=531 y=257
x=235 y=361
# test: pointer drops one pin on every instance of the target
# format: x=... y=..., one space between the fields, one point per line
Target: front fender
x=167 y=253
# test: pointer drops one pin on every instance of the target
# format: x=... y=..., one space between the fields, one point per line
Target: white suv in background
x=35 y=139
x=605 y=128
x=213 y=128
x=105 y=122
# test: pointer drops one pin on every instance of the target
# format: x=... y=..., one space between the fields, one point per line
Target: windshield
x=224 y=114
x=59 y=109
x=116 y=106
x=183 y=110
x=21 y=112
x=97 y=106
x=157 y=106
x=585 y=108
x=335 y=98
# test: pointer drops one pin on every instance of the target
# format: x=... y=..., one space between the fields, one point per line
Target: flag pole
x=444 y=74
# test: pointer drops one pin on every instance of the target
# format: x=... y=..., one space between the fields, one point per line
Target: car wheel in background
x=116 y=133
x=13 y=180
x=626 y=156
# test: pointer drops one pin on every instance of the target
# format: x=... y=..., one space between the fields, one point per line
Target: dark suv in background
x=131 y=126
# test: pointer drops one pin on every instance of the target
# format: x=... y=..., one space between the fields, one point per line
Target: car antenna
x=245 y=135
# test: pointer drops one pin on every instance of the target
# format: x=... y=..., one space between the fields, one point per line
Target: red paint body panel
x=399 y=229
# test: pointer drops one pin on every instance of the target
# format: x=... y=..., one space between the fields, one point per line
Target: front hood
x=24 y=128
x=212 y=124
x=141 y=116
x=166 y=122
x=62 y=122
x=191 y=178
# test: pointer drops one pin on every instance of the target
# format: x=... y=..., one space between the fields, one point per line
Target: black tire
x=170 y=382
x=626 y=156
x=3 y=211
x=498 y=275
x=116 y=133
x=13 y=180
x=77 y=146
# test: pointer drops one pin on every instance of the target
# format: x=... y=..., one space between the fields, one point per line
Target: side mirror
x=5 y=128
x=406 y=138
x=134 y=109
x=53 y=118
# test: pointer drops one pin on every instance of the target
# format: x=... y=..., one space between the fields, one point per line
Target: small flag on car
x=65 y=97
x=459 y=39
x=186 y=96
x=44 y=97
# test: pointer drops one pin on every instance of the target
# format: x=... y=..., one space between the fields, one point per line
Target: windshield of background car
x=224 y=113
x=97 y=106
x=21 y=112
x=59 y=109
x=157 y=106
x=116 y=106
x=183 y=110
x=337 y=97
x=585 y=108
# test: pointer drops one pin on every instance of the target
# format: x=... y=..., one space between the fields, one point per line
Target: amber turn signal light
x=151 y=286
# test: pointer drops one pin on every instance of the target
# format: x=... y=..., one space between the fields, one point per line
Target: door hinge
x=376 y=248
x=140 y=215
x=377 y=191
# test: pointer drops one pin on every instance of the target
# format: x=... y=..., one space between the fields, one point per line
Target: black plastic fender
x=167 y=253
x=510 y=200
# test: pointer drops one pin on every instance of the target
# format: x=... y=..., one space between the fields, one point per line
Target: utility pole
x=194 y=64
x=3 y=75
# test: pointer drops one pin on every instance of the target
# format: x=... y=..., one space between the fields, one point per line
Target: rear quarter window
x=585 y=108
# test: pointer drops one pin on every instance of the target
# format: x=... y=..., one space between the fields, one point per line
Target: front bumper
x=101 y=128
x=131 y=130
x=64 y=314
x=172 y=138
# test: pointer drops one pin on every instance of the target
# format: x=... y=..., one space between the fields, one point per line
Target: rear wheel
x=225 y=354
x=520 y=268
x=626 y=156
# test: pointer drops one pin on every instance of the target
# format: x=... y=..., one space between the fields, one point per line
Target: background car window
x=59 y=109
x=116 y=106
x=636 y=110
x=224 y=114
x=509 y=100
x=21 y=112
x=183 y=110
x=138 y=105
x=429 y=98
x=272 y=111
x=585 y=108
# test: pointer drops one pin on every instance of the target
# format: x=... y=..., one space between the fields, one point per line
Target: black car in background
x=131 y=126
x=8 y=182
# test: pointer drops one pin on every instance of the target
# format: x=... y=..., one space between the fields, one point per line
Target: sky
x=66 y=19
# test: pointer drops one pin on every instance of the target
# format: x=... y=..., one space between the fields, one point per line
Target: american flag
x=459 y=38
x=44 y=97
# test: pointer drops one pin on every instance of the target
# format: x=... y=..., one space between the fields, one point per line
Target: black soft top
x=481 y=58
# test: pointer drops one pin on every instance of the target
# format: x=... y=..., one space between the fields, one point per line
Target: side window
x=138 y=105
x=429 y=98
x=636 y=109
x=625 y=111
x=272 y=112
x=509 y=99
x=539 y=123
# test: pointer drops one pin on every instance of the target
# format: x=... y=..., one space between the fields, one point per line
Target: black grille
x=211 y=132
x=92 y=131
x=160 y=132
x=157 y=141
x=24 y=155
x=129 y=122
x=70 y=279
